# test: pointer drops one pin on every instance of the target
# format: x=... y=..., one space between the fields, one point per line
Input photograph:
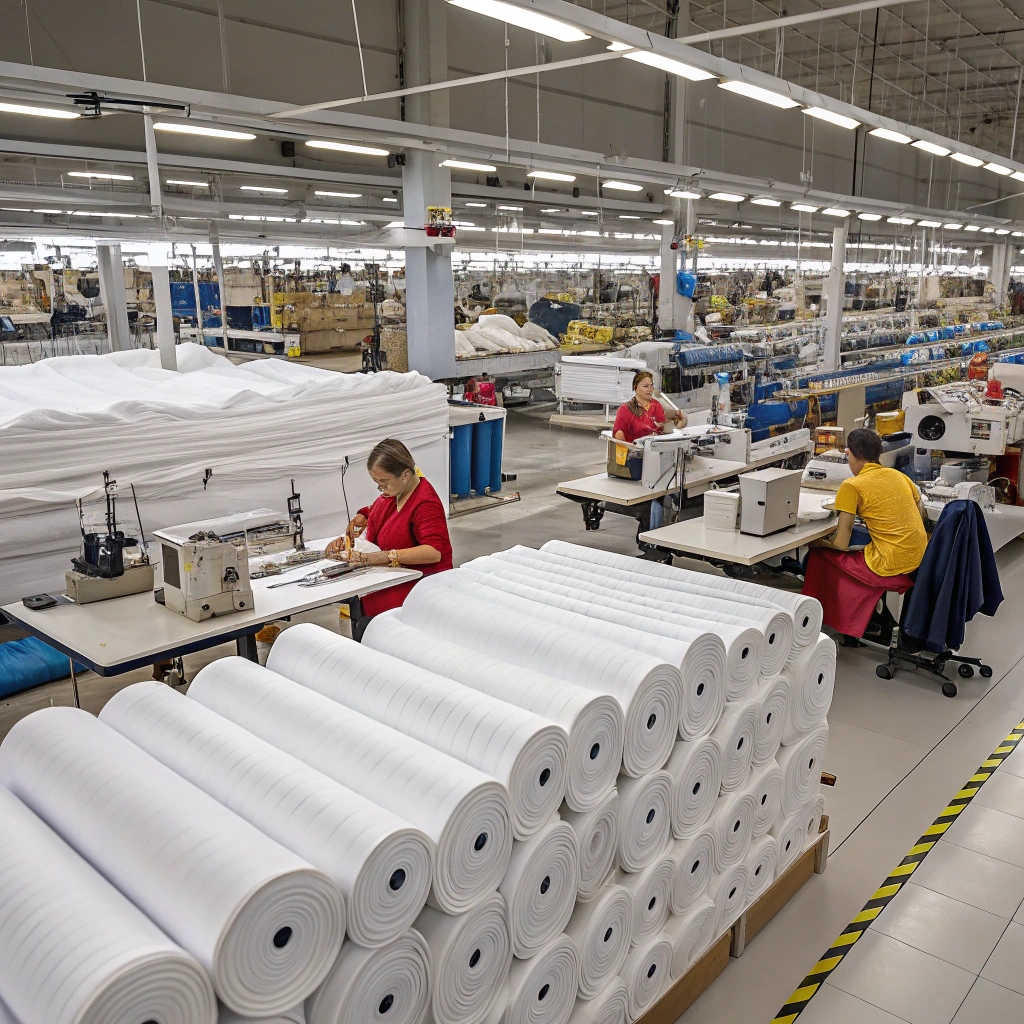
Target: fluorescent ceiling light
x=765 y=201
x=551 y=209
x=869 y=216
x=347 y=147
x=100 y=174
x=551 y=176
x=530 y=20
x=963 y=158
x=803 y=208
x=47 y=211
x=468 y=165
x=342 y=195
x=835 y=211
x=668 y=223
x=998 y=169
x=930 y=147
x=464 y=223
x=929 y=224
x=1016 y=234
x=622 y=186
x=512 y=231
x=352 y=223
x=755 y=92
x=264 y=188
x=396 y=224
x=628 y=216
x=833 y=118
x=683 y=193
x=187 y=184
x=1002 y=231
x=952 y=227
x=589 y=213
x=672 y=67
x=512 y=209
x=22 y=108
x=464 y=228
x=905 y=221
x=1018 y=175
x=972 y=227
x=390 y=199
x=988 y=231
x=616 y=47
x=727 y=197
x=478 y=206
x=199 y=129
x=890 y=136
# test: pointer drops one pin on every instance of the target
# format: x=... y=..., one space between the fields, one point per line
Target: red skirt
x=847 y=589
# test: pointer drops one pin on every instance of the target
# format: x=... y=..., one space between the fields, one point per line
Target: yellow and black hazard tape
x=897 y=878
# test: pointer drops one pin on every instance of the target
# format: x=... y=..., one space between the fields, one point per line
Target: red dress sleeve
x=657 y=412
x=428 y=525
x=624 y=422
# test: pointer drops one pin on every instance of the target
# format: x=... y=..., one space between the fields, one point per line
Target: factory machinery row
x=518 y=799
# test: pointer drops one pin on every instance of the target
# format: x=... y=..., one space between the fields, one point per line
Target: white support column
x=835 y=291
x=164 y=317
x=152 y=164
x=115 y=299
x=999 y=274
x=218 y=265
x=667 y=286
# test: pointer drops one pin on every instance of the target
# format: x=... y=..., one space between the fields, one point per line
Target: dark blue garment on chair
x=957 y=579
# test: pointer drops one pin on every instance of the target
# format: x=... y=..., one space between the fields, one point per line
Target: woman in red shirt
x=407 y=522
x=643 y=413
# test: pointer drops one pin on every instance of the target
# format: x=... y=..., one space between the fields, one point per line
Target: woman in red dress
x=643 y=414
x=407 y=522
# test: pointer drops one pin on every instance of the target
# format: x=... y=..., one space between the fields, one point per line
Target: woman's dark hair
x=865 y=444
x=392 y=457
x=634 y=406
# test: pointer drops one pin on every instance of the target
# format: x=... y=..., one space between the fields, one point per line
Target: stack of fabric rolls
x=534 y=794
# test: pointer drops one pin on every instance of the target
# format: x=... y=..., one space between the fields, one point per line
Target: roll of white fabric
x=6 y=1017
x=744 y=643
x=734 y=736
x=464 y=812
x=704 y=667
x=296 y=1015
x=644 y=819
x=651 y=890
x=520 y=749
x=602 y=931
x=540 y=886
x=263 y=922
x=367 y=984
x=597 y=837
x=382 y=865
x=773 y=705
x=705 y=595
x=646 y=688
x=766 y=787
x=811 y=814
x=733 y=822
x=812 y=681
x=790 y=834
x=647 y=972
x=73 y=950
x=729 y=890
x=761 y=861
x=695 y=860
x=805 y=611
x=593 y=721
x=497 y=1014
x=470 y=956
x=691 y=934
x=801 y=769
x=696 y=770
x=609 y=1006
x=542 y=990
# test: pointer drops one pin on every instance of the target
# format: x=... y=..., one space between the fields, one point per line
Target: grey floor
x=951 y=945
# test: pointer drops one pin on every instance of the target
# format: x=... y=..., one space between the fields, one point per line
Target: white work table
x=691 y=537
x=1004 y=522
x=125 y=633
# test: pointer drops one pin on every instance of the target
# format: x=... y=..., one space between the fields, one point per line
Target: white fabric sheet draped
x=520 y=749
x=74 y=950
x=262 y=921
x=592 y=720
x=647 y=688
x=381 y=863
x=465 y=812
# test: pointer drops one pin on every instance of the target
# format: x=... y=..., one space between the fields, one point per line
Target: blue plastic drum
x=461 y=460
x=497 y=440
x=482 y=433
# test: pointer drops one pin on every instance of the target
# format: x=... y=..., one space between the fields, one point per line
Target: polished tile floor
x=951 y=945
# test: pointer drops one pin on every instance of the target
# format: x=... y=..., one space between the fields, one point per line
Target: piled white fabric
x=495 y=333
x=296 y=1015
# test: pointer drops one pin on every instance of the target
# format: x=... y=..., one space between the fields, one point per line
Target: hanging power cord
x=359 y=47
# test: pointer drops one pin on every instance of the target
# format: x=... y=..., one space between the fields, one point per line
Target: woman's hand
x=357 y=526
x=337 y=549
x=680 y=419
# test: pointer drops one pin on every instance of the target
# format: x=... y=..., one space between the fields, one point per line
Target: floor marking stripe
x=894 y=882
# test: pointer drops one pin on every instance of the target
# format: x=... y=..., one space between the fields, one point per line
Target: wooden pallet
x=678 y=999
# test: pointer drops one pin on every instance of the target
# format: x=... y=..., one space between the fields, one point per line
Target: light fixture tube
x=530 y=20
x=347 y=147
x=833 y=118
x=755 y=92
x=672 y=67
x=199 y=129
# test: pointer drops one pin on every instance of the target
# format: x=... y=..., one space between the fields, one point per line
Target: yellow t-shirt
x=887 y=502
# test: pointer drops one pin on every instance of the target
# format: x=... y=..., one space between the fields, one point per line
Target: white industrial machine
x=206 y=564
x=769 y=500
x=959 y=418
x=825 y=472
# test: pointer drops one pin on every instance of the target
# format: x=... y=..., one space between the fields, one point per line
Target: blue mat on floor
x=29 y=662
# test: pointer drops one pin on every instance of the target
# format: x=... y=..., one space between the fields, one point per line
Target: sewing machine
x=825 y=472
x=959 y=418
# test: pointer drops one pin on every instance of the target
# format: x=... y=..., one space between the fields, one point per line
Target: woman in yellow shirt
x=849 y=584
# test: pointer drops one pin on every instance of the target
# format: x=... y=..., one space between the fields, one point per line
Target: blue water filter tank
x=497 y=440
x=482 y=433
x=461 y=460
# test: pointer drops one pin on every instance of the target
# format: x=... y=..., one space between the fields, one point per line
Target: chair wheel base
x=986 y=671
x=966 y=671
x=949 y=690
x=884 y=672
